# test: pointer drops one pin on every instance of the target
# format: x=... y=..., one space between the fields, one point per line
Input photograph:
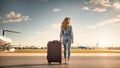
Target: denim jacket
x=68 y=32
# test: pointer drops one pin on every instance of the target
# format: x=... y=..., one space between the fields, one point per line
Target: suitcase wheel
x=60 y=62
x=49 y=62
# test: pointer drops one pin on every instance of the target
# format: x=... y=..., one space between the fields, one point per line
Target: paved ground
x=92 y=61
x=73 y=54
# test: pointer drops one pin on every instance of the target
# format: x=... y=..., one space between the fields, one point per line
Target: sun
x=103 y=43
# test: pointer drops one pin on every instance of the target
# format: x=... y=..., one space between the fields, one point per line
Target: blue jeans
x=67 y=45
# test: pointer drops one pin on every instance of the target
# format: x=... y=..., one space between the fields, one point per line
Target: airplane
x=85 y=47
x=82 y=47
x=4 y=41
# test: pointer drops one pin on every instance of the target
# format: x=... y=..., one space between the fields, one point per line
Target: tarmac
x=77 y=60
x=72 y=54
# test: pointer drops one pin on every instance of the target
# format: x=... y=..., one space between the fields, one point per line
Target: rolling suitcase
x=54 y=51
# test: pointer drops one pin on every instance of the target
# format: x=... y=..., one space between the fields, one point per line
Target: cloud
x=116 y=5
x=99 y=9
x=105 y=23
x=43 y=32
x=46 y=35
x=52 y=33
x=90 y=26
x=85 y=8
x=56 y=10
x=14 y=17
x=3 y=21
x=118 y=16
x=56 y=26
x=111 y=21
x=100 y=5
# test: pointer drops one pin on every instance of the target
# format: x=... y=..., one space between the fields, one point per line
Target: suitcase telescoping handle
x=56 y=41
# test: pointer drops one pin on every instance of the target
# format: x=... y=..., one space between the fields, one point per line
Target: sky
x=93 y=21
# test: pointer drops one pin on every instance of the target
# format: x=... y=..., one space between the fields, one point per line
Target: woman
x=66 y=35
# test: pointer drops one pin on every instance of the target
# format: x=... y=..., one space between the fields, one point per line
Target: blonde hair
x=65 y=23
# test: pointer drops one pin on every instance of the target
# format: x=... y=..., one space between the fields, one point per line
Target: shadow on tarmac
x=31 y=65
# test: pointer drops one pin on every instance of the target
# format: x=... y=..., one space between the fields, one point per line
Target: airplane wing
x=12 y=31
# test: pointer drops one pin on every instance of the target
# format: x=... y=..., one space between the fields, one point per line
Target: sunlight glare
x=103 y=43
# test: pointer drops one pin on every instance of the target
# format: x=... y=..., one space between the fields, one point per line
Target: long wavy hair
x=65 y=24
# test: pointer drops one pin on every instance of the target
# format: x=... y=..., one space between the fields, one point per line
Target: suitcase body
x=54 y=51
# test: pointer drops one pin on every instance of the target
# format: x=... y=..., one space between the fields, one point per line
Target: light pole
x=4 y=27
